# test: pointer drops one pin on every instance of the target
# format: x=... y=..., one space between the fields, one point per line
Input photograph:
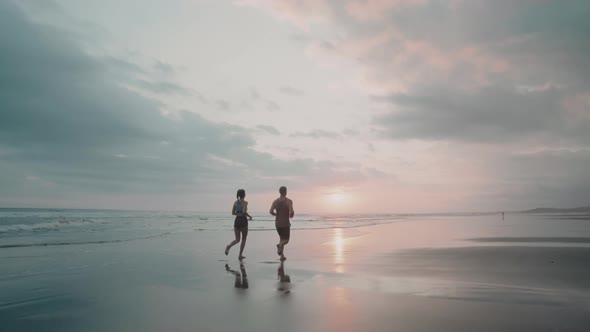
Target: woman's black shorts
x=241 y=222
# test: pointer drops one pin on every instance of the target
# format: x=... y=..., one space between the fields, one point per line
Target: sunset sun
x=337 y=198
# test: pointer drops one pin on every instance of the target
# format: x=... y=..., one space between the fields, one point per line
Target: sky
x=357 y=106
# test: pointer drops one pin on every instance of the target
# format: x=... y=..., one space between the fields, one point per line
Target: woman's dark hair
x=241 y=193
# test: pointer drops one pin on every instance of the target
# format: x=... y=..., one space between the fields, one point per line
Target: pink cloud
x=389 y=59
x=366 y=10
x=298 y=12
x=392 y=63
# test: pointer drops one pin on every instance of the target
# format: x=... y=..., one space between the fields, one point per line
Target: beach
x=419 y=273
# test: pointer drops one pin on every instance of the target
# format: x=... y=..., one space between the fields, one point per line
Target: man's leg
x=285 y=234
x=279 y=247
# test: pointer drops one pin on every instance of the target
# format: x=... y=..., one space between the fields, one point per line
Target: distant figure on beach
x=282 y=209
x=502 y=215
x=240 y=210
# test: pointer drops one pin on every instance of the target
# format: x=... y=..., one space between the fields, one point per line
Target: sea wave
x=47 y=225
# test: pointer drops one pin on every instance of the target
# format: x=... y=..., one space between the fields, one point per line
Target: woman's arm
x=245 y=211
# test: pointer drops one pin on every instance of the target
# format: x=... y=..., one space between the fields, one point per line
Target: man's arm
x=272 y=208
x=291 y=211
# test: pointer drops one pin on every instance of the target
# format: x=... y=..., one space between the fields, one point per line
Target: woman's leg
x=234 y=242
x=244 y=237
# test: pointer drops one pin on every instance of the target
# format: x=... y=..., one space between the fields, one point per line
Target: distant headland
x=581 y=209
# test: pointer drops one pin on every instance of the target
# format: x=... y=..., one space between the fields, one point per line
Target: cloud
x=269 y=129
x=300 y=12
x=485 y=78
x=162 y=87
x=492 y=114
x=67 y=117
x=289 y=90
x=350 y=132
x=366 y=10
x=547 y=177
x=492 y=71
x=163 y=67
x=222 y=105
x=256 y=100
x=254 y=94
x=316 y=134
x=272 y=106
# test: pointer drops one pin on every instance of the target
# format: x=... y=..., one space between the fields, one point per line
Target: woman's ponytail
x=240 y=194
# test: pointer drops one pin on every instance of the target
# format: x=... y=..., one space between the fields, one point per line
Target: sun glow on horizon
x=337 y=198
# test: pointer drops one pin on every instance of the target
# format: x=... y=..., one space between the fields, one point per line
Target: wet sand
x=400 y=277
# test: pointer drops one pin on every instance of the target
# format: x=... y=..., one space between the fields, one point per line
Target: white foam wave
x=50 y=225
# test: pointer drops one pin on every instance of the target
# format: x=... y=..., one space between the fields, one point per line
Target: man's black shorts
x=284 y=232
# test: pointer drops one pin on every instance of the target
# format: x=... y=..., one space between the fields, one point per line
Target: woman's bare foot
x=279 y=251
x=283 y=258
x=226 y=250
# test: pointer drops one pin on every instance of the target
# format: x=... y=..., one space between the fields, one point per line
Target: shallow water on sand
x=111 y=271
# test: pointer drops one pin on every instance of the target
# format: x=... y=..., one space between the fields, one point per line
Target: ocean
x=98 y=270
x=48 y=227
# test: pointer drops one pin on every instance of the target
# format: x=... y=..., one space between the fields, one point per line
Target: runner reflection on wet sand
x=284 y=280
x=241 y=276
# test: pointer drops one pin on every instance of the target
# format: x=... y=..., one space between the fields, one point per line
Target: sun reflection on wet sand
x=338 y=242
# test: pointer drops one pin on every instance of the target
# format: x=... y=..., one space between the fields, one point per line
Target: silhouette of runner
x=282 y=209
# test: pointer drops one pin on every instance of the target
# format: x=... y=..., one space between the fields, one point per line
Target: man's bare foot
x=241 y=257
x=226 y=250
x=279 y=251
x=283 y=258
